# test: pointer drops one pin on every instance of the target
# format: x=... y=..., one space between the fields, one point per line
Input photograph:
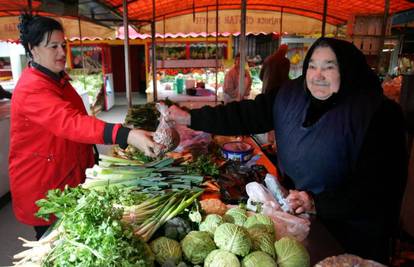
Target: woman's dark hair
x=33 y=28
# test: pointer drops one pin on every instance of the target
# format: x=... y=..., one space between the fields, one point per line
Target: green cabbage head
x=291 y=253
x=233 y=238
x=262 y=240
x=210 y=223
x=197 y=245
x=221 y=258
x=260 y=219
x=235 y=215
x=166 y=249
x=258 y=259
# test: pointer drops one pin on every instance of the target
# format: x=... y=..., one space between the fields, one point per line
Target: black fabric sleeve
x=109 y=127
x=235 y=118
x=377 y=184
x=122 y=137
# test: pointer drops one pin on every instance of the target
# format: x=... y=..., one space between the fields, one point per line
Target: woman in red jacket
x=51 y=134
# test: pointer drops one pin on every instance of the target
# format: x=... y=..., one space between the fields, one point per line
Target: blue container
x=237 y=151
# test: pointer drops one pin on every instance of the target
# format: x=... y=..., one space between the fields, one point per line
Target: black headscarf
x=356 y=76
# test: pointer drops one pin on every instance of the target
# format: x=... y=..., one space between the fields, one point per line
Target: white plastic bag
x=285 y=224
x=259 y=194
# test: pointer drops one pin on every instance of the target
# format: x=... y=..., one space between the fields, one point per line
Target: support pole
x=153 y=59
x=281 y=23
x=82 y=56
x=325 y=12
x=29 y=3
x=126 y=53
x=242 y=48
x=217 y=48
x=383 y=31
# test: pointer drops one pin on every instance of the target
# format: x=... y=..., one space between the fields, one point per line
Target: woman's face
x=52 y=54
x=322 y=76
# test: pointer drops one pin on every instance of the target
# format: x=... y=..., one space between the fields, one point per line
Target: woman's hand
x=179 y=115
x=143 y=140
x=300 y=202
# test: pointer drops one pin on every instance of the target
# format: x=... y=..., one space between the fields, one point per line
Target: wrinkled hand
x=143 y=140
x=179 y=115
x=300 y=202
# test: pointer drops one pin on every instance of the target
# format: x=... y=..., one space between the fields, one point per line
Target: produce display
x=172 y=210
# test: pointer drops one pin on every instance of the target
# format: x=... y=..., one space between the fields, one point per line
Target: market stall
x=199 y=204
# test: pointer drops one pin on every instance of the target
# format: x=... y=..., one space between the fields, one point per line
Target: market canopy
x=338 y=11
x=108 y=12
x=9 y=31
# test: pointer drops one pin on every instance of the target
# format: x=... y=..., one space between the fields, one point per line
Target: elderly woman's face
x=52 y=54
x=322 y=76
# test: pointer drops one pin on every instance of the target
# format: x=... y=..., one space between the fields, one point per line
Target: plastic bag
x=190 y=137
x=278 y=191
x=165 y=134
x=285 y=224
x=258 y=194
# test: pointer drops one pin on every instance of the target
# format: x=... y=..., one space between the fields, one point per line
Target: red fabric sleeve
x=50 y=110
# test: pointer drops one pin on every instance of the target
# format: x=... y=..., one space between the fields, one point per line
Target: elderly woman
x=340 y=144
x=51 y=133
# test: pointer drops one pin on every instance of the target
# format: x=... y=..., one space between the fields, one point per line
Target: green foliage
x=204 y=165
x=237 y=216
x=210 y=223
x=166 y=249
x=197 y=245
x=232 y=238
x=221 y=258
x=291 y=253
x=261 y=239
x=177 y=228
x=92 y=234
x=258 y=259
x=260 y=219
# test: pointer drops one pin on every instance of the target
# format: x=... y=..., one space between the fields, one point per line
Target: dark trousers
x=40 y=230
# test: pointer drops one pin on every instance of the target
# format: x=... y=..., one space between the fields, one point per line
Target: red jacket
x=51 y=137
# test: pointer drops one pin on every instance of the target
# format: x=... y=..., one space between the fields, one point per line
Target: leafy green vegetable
x=260 y=219
x=291 y=253
x=204 y=165
x=258 y=258
x=166 y=249
x=237 y=216
x=197 y=245
x=232 y=238
x=210 y=223
x=177 y=228
x=93 y=234
x=221 y=258
x=261 y=239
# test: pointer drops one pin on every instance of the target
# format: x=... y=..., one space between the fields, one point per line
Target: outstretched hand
x=143 y=140
x=179 y=115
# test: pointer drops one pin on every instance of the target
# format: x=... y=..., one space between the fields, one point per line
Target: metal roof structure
x=109 y=12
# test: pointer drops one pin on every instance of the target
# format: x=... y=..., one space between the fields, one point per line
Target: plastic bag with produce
x=166 y=134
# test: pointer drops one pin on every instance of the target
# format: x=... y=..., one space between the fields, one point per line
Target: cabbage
x=261 y=239
x=197 y=245
x=260 y=219
x=291 y=253
x=211 y=222
x=258 y=259
x=166 y=249
x=232 y=238
x=235 y=215
x=221 y=258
